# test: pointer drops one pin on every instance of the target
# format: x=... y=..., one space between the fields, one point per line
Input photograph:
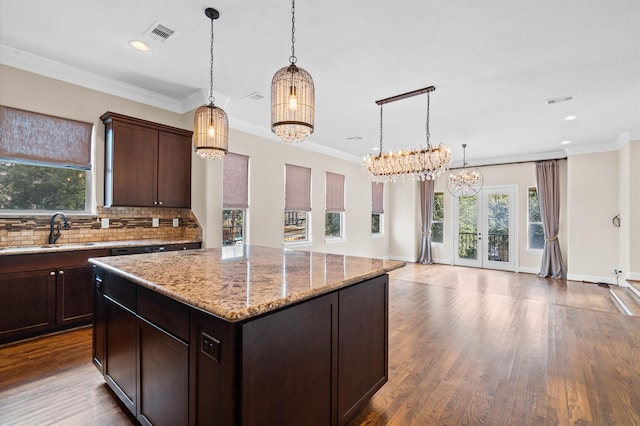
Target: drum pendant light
x=292 y=97
x=211 y=125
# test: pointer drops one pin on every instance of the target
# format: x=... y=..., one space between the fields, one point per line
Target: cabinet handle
x=52 y=273
x=160 y=202
x=60 y=272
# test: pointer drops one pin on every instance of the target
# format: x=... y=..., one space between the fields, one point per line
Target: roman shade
x=377 y=197
x=235 y=194
x=335 y=192
x=297 y=196
x=41 y=138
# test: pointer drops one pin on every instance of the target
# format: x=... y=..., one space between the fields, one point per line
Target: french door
x=484 y=229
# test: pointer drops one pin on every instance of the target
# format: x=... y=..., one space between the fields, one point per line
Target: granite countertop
x=238 y=283
x=53 y=248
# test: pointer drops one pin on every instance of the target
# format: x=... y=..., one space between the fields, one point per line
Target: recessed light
x=565 y=142
x=570 y=117
x=139 y=45
x=375 y=148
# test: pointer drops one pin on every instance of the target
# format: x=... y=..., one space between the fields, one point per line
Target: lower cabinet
x=313 y=363
x=40 y=293
x=144 y=365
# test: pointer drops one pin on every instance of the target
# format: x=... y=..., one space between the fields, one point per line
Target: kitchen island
x=242 y=335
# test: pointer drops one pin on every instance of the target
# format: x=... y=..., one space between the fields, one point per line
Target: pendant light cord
x=211 y=98
x=292 y=58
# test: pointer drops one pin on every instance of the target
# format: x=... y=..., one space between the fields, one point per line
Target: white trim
x=526 y=270
x=595 y=279
x=635 y=276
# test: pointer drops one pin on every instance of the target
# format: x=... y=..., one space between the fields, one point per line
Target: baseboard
x=634 y=276
x=595 y=279
x=401 y=258
x=525 y=270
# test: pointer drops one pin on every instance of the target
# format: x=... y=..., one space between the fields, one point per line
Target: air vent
x=159 y=32
x=255 y=96
x=560 y=99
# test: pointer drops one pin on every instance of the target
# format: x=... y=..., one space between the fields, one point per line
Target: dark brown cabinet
x=45 y=292
x=146 y=164
x=143 y=351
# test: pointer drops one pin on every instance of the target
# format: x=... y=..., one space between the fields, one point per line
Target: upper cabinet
x=146 y=164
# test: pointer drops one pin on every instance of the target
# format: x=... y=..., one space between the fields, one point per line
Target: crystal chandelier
x=466 y=181
x=292 y=97
x=211 y=125
x=423 y=163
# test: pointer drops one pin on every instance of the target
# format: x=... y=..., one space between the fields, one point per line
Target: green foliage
x=332 y=224
x=375 y=223
x=29 y=187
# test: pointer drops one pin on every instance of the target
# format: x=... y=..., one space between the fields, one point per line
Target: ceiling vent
x=159 y=32
x=255 y=96
x=560 y=99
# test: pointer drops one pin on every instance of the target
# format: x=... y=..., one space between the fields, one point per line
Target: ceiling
x=494 y=64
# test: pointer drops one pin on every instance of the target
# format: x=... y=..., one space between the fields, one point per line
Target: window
x=45 y=162
x=534 y=221
x=377 y=208
x=297 y=203
x=235 y=198
x=334 y=206
x=437 y=218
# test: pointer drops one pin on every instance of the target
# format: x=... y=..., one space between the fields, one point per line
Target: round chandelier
x=466 y=181
x=211 y=125
x=419 y=164
x=292 y=97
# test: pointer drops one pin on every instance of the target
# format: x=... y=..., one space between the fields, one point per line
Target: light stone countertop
x=238 y=283
x=53 y=248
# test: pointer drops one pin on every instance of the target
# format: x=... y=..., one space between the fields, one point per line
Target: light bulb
x=211 y=131
x=293 y=99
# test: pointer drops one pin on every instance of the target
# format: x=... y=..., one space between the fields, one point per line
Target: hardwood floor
x=466 y=347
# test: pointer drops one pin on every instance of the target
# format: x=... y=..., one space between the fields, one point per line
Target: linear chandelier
x=423 y=163
x=466 y=181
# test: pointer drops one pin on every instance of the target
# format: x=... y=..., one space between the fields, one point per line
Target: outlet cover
x=176 y=222
x=155 y=222
x=105 y=222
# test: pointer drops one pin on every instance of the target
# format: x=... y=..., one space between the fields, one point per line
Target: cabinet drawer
x=120 y=290
x=164 y=312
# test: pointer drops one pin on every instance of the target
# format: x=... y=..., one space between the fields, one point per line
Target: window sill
x=333 y=240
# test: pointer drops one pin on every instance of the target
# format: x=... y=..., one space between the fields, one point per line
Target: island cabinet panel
x=362 y=345
x=288 y=360
x=145 y=361
x=146 y=164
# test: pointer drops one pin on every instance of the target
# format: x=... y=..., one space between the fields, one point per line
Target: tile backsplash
x=125 y=223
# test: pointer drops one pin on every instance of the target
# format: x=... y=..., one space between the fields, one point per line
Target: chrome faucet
x=54 y=234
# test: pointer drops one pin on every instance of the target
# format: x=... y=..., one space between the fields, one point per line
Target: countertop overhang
x=238 y=283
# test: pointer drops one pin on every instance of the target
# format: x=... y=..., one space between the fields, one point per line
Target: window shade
x=44 y=138
x=297 y=196
x=335 y=192
x=235 y=181
x=377 y=197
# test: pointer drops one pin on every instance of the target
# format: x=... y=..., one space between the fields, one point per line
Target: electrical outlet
x=176 y=222
x=155 y=222
x=210 y=347
x=105 y=222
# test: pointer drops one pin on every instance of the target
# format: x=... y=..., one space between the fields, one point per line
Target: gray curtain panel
x=426 y=210
x=548 y=182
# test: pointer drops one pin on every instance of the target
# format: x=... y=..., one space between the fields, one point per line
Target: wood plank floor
x=466 y=347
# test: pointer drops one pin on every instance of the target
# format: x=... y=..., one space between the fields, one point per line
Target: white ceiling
x=494 y=64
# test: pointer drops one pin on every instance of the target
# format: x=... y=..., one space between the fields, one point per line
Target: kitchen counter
x=236 y=285
x=242 y=335
x=55 y=248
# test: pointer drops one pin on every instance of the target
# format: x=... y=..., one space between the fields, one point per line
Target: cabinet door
x=120 y=353
x=363 y=332
x=27 y=302
x=174 y=170
x=163 y=383
x=74 y=295
x=134 y=165
x=287 y=362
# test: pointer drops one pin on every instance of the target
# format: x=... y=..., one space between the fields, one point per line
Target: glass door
x=484 y=229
